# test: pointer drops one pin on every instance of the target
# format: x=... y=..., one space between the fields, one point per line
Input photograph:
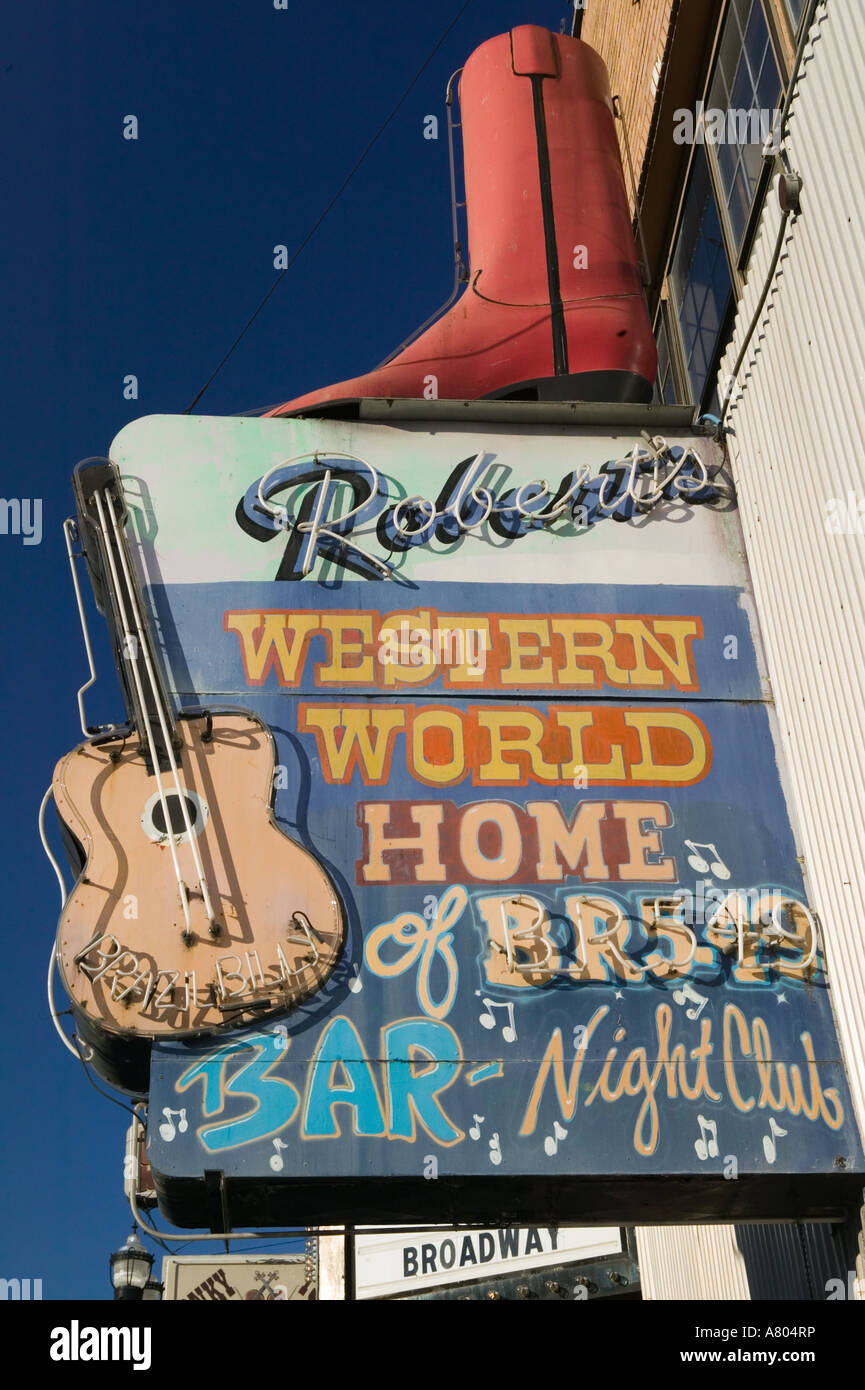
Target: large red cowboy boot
x=554 y=308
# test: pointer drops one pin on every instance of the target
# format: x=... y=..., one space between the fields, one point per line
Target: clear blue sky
x=146 y=257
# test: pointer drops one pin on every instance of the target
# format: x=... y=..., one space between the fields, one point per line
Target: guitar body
x=134 y=967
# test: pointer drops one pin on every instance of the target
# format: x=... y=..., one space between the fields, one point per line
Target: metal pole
x=350 y=1278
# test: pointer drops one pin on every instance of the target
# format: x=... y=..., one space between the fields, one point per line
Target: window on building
x=747 y=86
x=700 y=282
x=726 y=184
x=665 y=381
x=797 y=9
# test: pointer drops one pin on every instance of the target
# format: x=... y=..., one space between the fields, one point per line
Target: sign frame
x=621 y=1195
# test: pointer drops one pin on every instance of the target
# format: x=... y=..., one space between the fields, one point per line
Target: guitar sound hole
x=155 y=815
x=175 y=814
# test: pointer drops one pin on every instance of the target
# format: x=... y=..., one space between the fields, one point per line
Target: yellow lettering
x=569 y=629
x=660 y=733
x=340 y=670
x=409 y=637
x=470 y=636
x=271 y=650
x=518 y=672
x=678 y=663
x=498 y=769
x=367 y=739
x=577 y=722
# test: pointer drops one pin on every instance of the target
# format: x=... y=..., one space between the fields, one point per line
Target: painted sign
x=238 y=1278
x=525 y=727
x=389 y=1264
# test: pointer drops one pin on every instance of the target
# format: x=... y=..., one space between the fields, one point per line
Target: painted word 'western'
x=508 y=651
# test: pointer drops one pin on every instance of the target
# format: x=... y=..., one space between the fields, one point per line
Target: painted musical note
x=552 y=1141
x=717 y=867
x=580 y=1032
x=495 y=1150
x=770 y=1148
x=475 y=1131
x=276 y=1160
x=707 y=1148
x=687 y=994
x=487 y=1019
x=355 y=983
x=167 y=1130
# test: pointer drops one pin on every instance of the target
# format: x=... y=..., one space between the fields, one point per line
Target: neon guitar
x=193 y=911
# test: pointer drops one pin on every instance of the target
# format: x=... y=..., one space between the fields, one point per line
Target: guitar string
x=139 y=622
x=128 y=637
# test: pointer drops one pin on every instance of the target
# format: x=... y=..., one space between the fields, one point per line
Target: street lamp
x=130 y=1268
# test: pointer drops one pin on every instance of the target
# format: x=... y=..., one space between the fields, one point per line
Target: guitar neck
x=102 y=517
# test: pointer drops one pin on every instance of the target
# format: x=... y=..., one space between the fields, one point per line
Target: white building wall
x=799 y=441
x=798 y=418
x=691 y=1262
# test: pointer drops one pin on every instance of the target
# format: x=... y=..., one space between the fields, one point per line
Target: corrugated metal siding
x=797 y=443
x=774 y=1262
x=691 y=1262
x=760 y=1262
x=796 y=1261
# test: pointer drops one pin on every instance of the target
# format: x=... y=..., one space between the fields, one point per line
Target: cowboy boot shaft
x=538 y=127
x=554 y=307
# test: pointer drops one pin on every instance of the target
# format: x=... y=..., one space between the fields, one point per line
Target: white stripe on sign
x=398 y=1263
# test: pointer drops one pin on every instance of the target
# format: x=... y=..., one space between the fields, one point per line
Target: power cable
x=346 y=181
x=98 y=1089
x=746 y=342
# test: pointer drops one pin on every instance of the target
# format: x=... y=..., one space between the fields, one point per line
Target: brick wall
x=631 y=36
